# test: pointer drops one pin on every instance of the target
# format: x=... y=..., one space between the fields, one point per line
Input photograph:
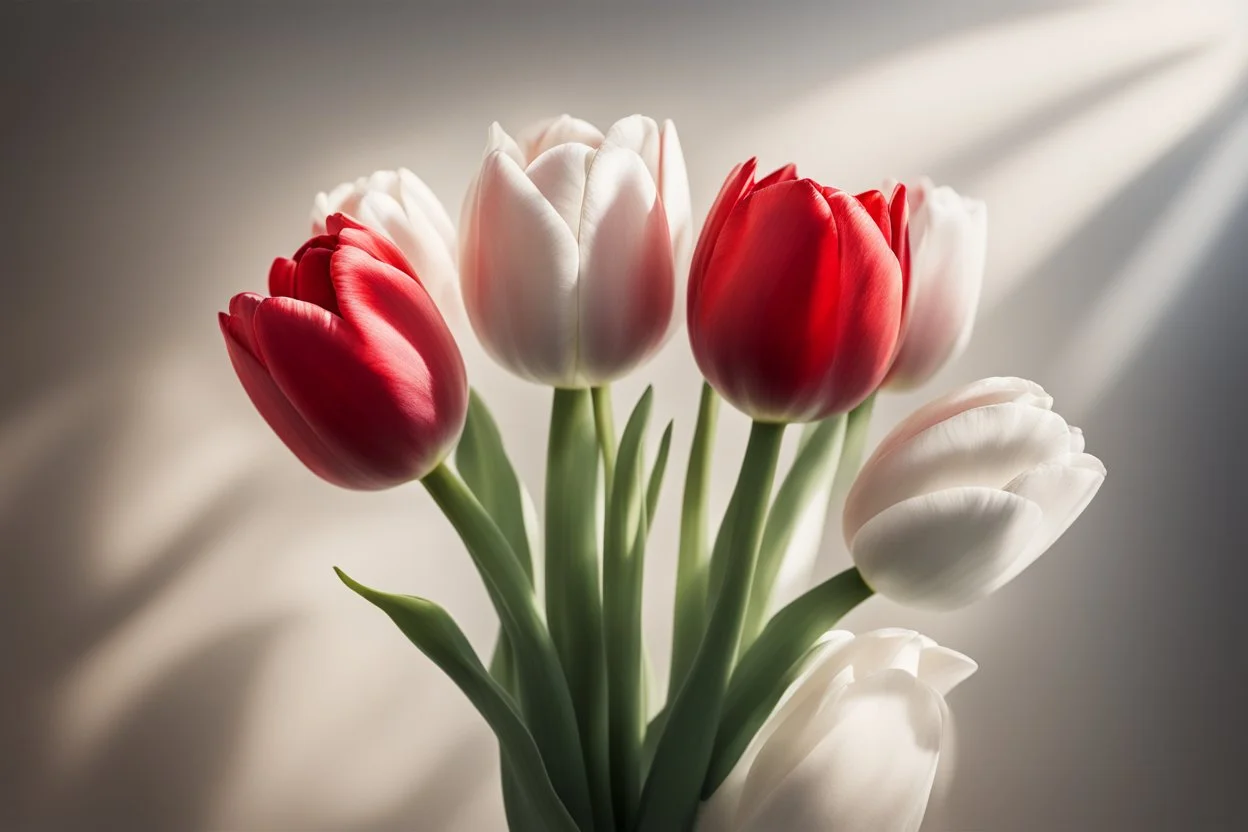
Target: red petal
x=877 y=206
x=763 y=332
x=783 y=174
x=869 y=309
x=899 y=217
x=312 y=281
x=328 y=241
x=374 y=409
x=282 y=278
x=241 y=321
x=352 y=233
x=281 y=416
x=739 y=183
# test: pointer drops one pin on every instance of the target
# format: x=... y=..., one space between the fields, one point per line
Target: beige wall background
x=175 y=653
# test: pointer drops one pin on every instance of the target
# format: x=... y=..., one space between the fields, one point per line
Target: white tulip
x=966 y=493
x=854 y=744
x=570 y=246
x=948 y=241
x=398 y=205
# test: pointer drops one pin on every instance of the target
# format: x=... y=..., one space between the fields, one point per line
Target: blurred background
x=175 y=653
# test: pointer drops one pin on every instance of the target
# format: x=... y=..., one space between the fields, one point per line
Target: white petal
x=945 y=669
x=984 y=446
x=996 y=390
x=873 y=771
x=519 y=278
x=626 y=287
x=891 y=648
x=341 y=199
x=419 y=200
x=498 y=141
x=945 y=550
x=560 y=174
x=537 y=138
x=420 y=243
x=1062 y=489
x=674 y=191
x=949 y=238
x=641 y=135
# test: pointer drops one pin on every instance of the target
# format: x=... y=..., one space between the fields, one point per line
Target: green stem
x=771 y=665
x=573 y=599
x=670 y=799
x=856 y=430
x=604 y=422
x=689 y=620
x=542 y=691
x=800 y=507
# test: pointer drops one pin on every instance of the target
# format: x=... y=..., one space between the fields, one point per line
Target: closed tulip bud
x=854 y=744
x=966 y=493
x=350 y=361
x=400 y=207
x=796 y=293
x=569 y=241
x=948 y=240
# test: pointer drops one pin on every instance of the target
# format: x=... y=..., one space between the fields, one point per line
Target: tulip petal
x=986 y=446
x=781 y=174
x=499 y=141
x=520 y=276
x=282 y=278
x=281 y=416
x=352 y=233
x=945 y=550
x=541 y=136
x=560 y=174
x=740 y=181
x=1063 y=490
x=674 y=190
x=872 y=771
x=627 y=285
x=987 y=391
x=947 y=274
x=421 y=202
x=340 y=200
x=641 y=135
x=945 y=669
x=326 y=371
x=312 y=283
x=421 y=244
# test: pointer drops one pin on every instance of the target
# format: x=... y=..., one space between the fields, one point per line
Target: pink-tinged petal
x=560 y=174
x=353 y=233
x=786 y=173
x=537 y=138
x=282 y=417
x=739 y=182
x=282 y=278
x=987 y=446
x=377 y=424
x=520 y=276
x=312 y=283
x=982 y=393
x=944 y=550
x=674 y=191
x=498 y=141
x=868 y=308
x=627 y=285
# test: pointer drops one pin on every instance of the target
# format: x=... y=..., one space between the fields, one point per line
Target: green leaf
x=623 y=571
x=541 y=689
x=689 y=610
x=800 y=505
x=430 y=628
x=659 y=468
x=669 y=800
x=573 y=603
x=770 y=666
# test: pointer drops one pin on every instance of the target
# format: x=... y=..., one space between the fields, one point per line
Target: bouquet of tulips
x=801 y=302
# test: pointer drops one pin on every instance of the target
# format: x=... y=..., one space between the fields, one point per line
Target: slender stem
x=689 y=619
x=604 y=422
x=573 y=599
x=855 y=445
x=770 y=666
x=670 y=799
x=542 y=691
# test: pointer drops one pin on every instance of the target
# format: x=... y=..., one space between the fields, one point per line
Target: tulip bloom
x=948 y=238
x=350 y=361
x=400 y=207
x=966 y=493
x=568 y=245
x=796 y=294
x=854 y=744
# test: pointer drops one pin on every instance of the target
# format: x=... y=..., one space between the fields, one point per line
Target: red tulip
x=350 y=361
x=796 y=294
